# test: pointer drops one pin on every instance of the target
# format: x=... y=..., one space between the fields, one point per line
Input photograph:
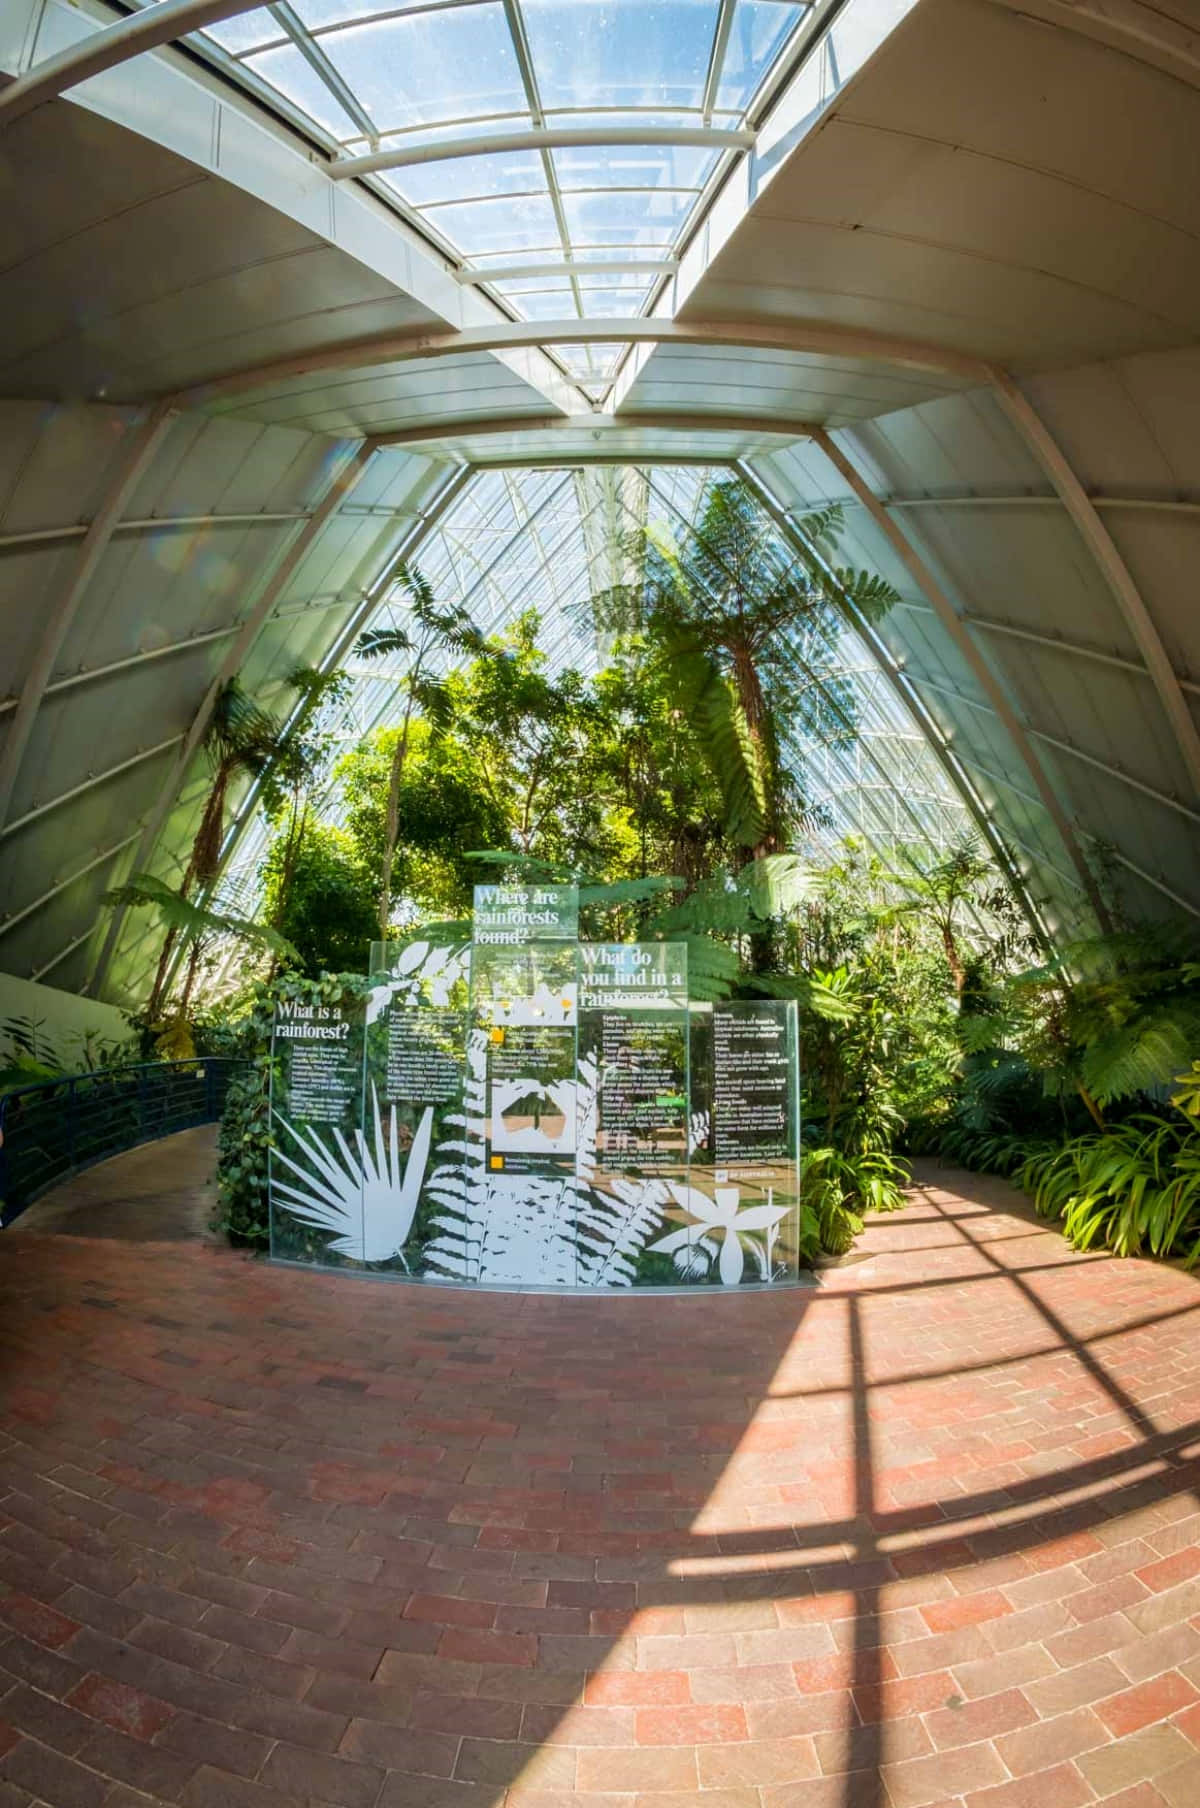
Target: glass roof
x=374 y=75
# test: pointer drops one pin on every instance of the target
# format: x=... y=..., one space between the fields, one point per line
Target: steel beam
x=1158 y=884
x=322 y=68
x=1076 y=648
x=1055 y=643
x=599 y=427
x=817 y=338
x=1099 y=542
x=345 y=477
x=547 y=266
x=139 y=449
x=1034 y=499
x=90 y=783
x=125 y=665
x=537 y=138
x=19 y=916
x=716 y=61
x=48 y=966
x=142 y=524
x=953 y=626
x=1061 y=746
x=111 y=45
x=1126 y=778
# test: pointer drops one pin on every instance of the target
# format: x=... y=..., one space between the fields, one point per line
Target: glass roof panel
x=591 y=53
x=422 y=72
x=246 y=30
x=760 y=29
x=339 y=12
x=633 y=166
x=545 y=304
x=287 y=70
x=614 y=303
x=470 y=178
x=642 y=217
x=457 y=63
x=589 y=360
x=515 y=223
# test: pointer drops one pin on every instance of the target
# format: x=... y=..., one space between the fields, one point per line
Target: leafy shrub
x=1134 y=1188
x=837 y=1188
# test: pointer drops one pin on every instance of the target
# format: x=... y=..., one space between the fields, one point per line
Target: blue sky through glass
x=422 y=71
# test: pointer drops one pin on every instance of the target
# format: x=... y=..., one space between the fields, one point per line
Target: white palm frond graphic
x=357 y=1193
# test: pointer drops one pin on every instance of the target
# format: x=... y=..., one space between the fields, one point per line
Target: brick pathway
x=927 y=1535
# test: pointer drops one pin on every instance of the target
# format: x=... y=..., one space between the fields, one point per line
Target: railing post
x=141 y=1103
x=72 y=1121
x=210 y=1088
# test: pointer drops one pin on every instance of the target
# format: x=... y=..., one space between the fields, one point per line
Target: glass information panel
x=527 y=1110
x=316 y=1158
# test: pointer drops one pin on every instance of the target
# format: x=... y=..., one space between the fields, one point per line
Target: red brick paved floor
x=928 y=1535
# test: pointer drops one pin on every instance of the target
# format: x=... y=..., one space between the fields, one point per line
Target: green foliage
x=748 y=631
x=1133 y=1188
x=321 y=899
x=193 y=922
x=838 y=1187
x=444 y=809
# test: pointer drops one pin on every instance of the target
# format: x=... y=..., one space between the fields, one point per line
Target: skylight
x=389 y=75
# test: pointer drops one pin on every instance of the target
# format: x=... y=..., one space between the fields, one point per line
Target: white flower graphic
x=358 y=1193
x=719 y=1221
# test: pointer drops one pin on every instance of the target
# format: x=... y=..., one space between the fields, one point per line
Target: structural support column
x=341 y=486
x=1100 y=544
x=138 y=452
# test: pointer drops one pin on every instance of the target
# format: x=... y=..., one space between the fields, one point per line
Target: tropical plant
x=432 y=631
x=838 y=1187
x=318 y=892
x=193 y=925
x=964 y=883
x=240 y=739
x=1135 y=1187
x=748 y=629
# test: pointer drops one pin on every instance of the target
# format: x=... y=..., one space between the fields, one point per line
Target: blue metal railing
x=55 y=1128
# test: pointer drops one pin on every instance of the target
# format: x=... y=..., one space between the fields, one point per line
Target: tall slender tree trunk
x=391 y=827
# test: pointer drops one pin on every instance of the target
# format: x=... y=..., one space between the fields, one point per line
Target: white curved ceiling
x=965 y=246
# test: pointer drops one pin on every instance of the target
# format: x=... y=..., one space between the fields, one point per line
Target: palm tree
x=241 y=739
x=748 y=626
x=432 y=630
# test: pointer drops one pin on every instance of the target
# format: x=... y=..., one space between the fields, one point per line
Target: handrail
x=52 y=1129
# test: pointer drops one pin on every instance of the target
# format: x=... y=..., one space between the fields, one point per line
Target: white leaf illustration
x=718 y=1220
x=357 y=1193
